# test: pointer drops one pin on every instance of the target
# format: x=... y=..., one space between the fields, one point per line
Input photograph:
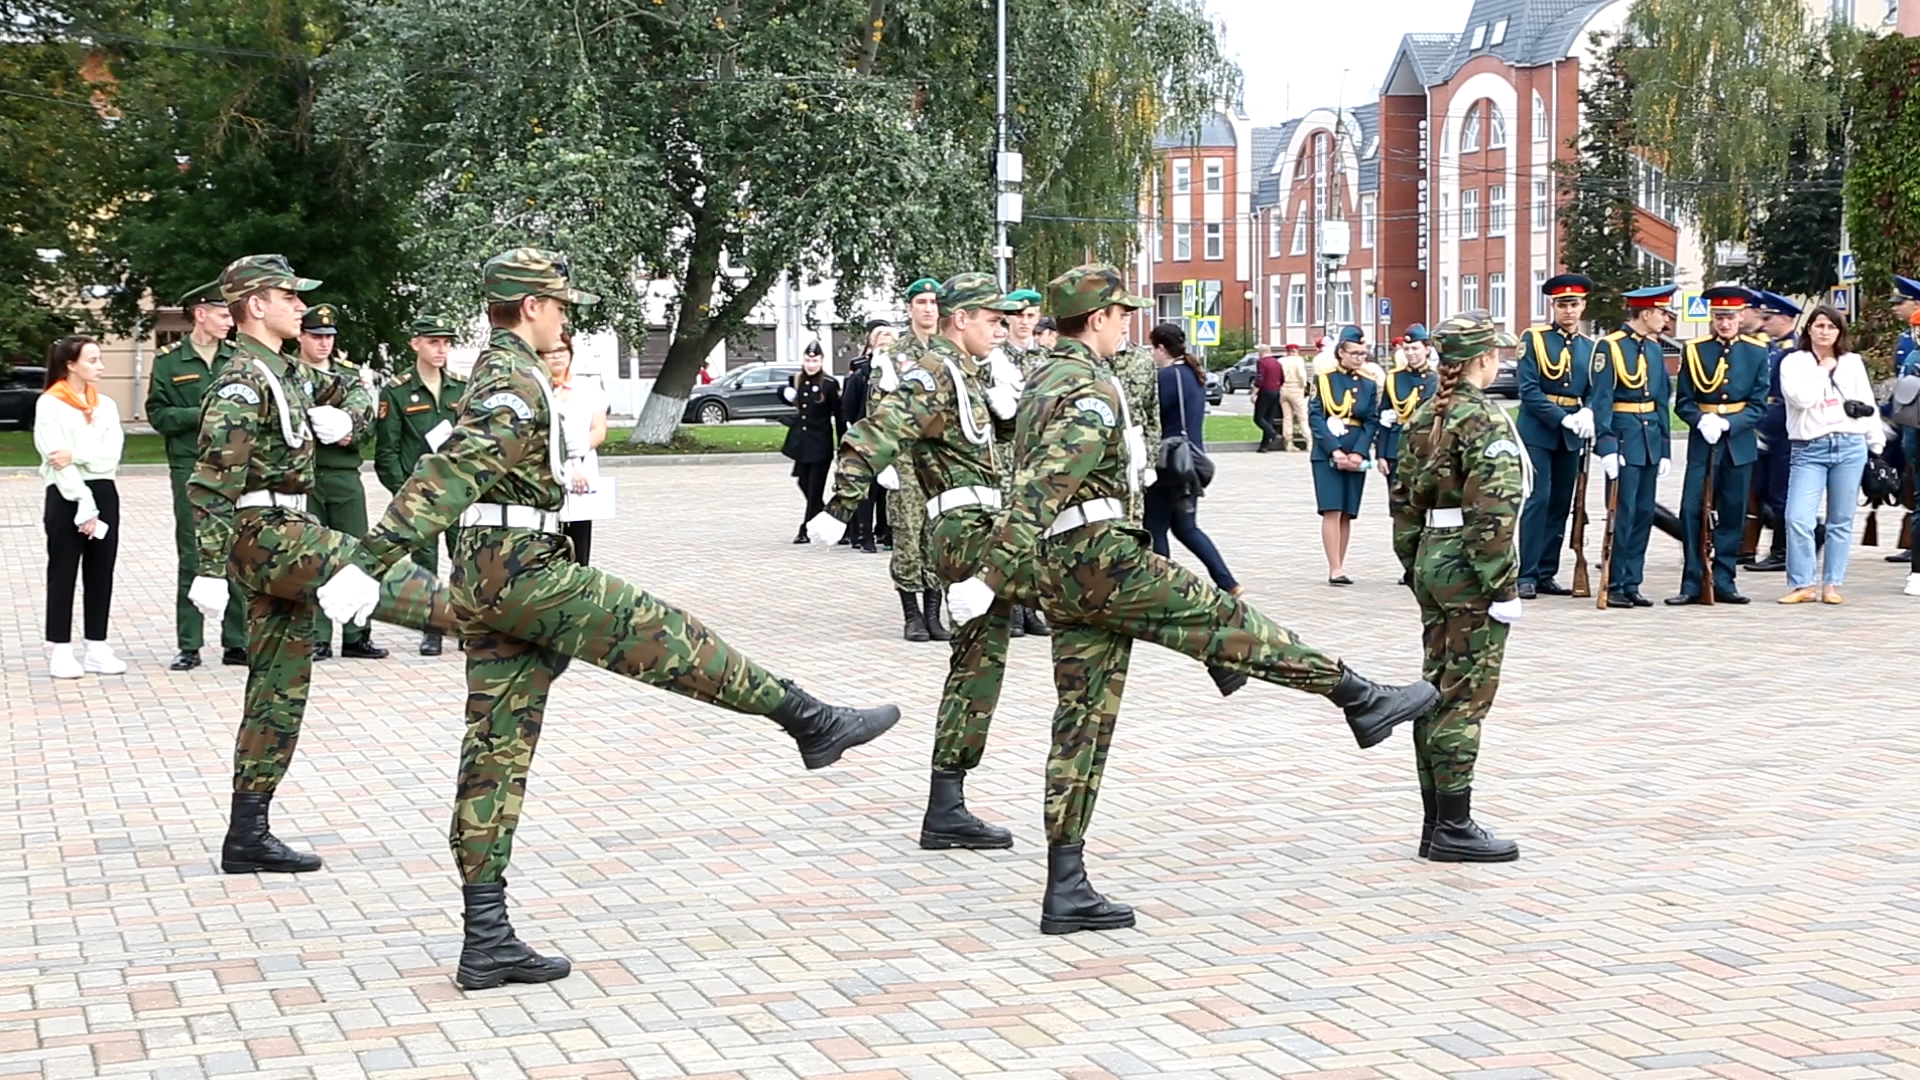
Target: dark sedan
x=1505 y=383
x=748 y=393
x=1239 y=377
x=19 y=394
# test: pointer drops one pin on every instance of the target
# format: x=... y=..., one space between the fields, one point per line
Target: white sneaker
x=62 y=664
x=1913 y=585
x=101 y=661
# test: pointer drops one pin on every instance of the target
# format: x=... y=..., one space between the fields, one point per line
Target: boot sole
x=824 y=758
x=1439 y=854
x=466 y=980
x=932 y=841
x=1070 y=925
x=231 y=867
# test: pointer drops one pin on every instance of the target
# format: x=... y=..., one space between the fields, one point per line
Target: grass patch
x=702 y=439
x=16 y=450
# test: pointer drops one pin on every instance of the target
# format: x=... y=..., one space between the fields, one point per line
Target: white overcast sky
x=1296 y=50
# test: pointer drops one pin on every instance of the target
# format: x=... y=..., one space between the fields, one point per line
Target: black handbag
x=1182 y=465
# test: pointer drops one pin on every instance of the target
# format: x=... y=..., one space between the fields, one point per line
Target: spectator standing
x=77 y=431
x=1173 y=503
x=1268 y=378
x=870 y=517
x=583 y=420
x=812 y=431
x=1833 y=425
x=1293 y=400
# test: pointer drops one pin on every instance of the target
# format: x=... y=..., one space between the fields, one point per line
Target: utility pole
x=1008 y=167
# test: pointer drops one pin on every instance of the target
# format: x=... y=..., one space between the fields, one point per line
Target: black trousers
x=1266 y=413
x=581 y=533
x=71 y=556
x=812 y=477
x=870 y=517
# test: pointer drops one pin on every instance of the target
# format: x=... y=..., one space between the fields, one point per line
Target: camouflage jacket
x=902 y=356
x=352 y=397
x=253 y=437
x=1474 y=462
x=1026 y=359
x=1141 y=378
x=506 y=447
x=1069 y=447
x=940 y=425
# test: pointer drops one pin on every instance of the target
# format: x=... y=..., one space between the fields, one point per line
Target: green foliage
x=1883 y=180
x=1234 y=344
x=1796 y=235
x=1597 y=220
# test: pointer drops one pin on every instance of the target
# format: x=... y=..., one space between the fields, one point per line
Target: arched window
x=1470 y=130
x=1496 y=127
x=1539 y=118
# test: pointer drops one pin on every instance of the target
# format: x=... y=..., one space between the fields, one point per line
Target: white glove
x=826 y=529
x=1150 y=477
x=968 y=600
x=437 y=435
x=1711 y=427
x=329 y=424
x=1507 y=611
x=1389 y=418
x=786 y=394
x=209 y=594
x=1666 y=466
x=1760 y=442
x=889 y=478
x=1004 y=371
x=1336 y=426
x=1610 y=465
x=1580 y=422
x=1138 y=463
x=1003 y=400
x=885 y=373
x=350 y=596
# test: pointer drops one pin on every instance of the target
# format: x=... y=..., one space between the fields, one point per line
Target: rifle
x=1606 y=544
x=1750 y=532
x=1707 y=519
x=1578 y=541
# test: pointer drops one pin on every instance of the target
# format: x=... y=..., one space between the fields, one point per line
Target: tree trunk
x=659 y=419
x=660 y=415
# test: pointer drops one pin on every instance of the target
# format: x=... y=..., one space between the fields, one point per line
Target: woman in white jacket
x=1833 y=426
x=77 y=431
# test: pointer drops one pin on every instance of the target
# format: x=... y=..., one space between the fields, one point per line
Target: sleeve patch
x=920 y=377
x=383 y=408
x=1500 y=448
x=1096 y=407
x=240 y=392
x=504 y=400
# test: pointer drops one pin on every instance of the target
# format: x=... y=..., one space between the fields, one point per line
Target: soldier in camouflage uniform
x=939 y=426
x=250 y=489
x=912 y=566
x=1078 y=451
x=1026 y=352
x=340 y=500
x=524 y=601
x=1456 y=503
x=1140 y=378
x=414 y=413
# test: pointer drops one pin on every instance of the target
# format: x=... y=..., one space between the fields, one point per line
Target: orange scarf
x=63 y=391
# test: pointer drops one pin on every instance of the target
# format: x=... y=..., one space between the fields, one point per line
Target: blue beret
x=1905 y=288
x=1352 y=334
x=1417 y=332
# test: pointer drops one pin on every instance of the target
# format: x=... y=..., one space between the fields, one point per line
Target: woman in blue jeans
x=1183 y=411
x=1833 y=426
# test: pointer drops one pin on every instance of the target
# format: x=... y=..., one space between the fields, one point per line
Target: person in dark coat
x=870 y=517
x=813 y=430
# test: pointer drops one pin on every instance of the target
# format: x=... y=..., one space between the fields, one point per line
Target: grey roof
x=1368 y=117
x=1538 y=31
x=1429 y=54
x=1215 y=130
x=1269 y=143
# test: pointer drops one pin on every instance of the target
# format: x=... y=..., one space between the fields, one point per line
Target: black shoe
x=845 y=541
x=867 y=546
x=1747 y=558
x=824 y=732
x=1405 y=579
x=1228 y=681
x=1902 y=556
x=1618 y=600
x=251 y=847
x=1638 y=600
x=1341 y=580
x=187 y=660
x=949 y=824
x=362 y=650
x=1772 y=564
x=233 y=657
x=1681 y=600
x=801 y=536
x=1016 y=624
x=1036 y=622
x=323 y=650
x=492 y=956
x=1372 y=709
x=1730 y=596
x=1429 y=808
x=1071 y=903
x=1550 y=587
x=935 y=628
x=1457 y=838
x=1263 y=448
x=916 y=620
x=429 y=644
x=1528 y=590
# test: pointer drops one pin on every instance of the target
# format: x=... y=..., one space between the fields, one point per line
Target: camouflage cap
x=245 y=276
x=320 y=320
x=431 y=326
x=973 y=291
x=523 y=272
x=1089 y=288
x=205 y=294
x=1470 y=334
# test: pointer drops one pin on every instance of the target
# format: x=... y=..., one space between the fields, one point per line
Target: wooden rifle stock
x=1606 y=544
x=1706 y=529
x=1578 y=539
x=1750 y=532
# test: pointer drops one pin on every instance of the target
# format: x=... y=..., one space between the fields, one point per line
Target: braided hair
x=1461 y=339
x=1450 y=371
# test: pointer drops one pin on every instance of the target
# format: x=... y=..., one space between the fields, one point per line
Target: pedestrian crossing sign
x=1849 y=269
x=1206 y=330
x=1694 y=307
x=1842 y=299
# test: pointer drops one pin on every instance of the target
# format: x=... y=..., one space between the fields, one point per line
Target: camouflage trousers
x=1463 y=647
x=911 y=565
x=523 y=599
x=1102 y=588
x=280 y=558
x=978 y=665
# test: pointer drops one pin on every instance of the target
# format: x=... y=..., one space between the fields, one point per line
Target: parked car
x=751 y=392
x=1239 y=377
x=18 y=395
x=1506 y=383
x=1216 y=388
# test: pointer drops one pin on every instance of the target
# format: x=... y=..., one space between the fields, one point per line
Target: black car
x=1216 y=388
x=751 y=392
x=1239 y=377
x=1506 y=383
x=18 y=395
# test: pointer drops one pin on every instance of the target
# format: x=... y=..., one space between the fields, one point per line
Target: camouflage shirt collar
x=254 y=349
x=943 y=347
x=1080 y=350
x=508 y=341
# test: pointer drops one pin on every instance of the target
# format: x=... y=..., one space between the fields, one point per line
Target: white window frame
x=1496 y=127
x=1159 y=242
x=1343 y=301
x=1479 y=38
x=1470 y=130
x=1469 y=217
x=1296 y=303
x=1539 y=118
x=1213 y=241
x=1182 y=176
x=1182 y=241
x=1497 y=295
x=1542 y=204
x=1469 y=292
x=1446 y=297
x=1276 y=302
x=1276 y=232
x=1539 y=296
x=1499 y=34
x=1213 y=176
x=1446 y=216
x=1368 y=207
x=1299 y=231
x=1497 y=210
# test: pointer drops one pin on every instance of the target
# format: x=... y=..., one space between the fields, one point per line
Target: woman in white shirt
x=583 y=418
x=1833 y=426
x=77 y=431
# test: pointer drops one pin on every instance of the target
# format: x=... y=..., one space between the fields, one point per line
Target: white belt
x=1449 y=517
x=1086 y=513
x=955 y=498
x=504 y=516
x=254 y=499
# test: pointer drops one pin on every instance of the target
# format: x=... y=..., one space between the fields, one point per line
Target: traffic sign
x=1693 y=307
x=1842 y=299
x=1206 y=330
x=1386 y=309
x=1190 y=297
x=1848 y=270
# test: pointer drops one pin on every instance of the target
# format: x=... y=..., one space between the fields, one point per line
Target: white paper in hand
x=438 y=435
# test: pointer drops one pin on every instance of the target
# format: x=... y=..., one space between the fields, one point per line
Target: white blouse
x=95 y=447
x=1816 y=399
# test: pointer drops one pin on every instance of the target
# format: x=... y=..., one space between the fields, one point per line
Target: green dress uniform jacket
x=174 y=396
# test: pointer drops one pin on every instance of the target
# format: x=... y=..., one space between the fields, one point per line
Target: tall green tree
x=1883 y=179
x=1796 y=234
x=1598 y=231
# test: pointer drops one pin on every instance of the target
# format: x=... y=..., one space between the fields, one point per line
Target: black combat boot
x=1372 y=709
x=430 y=643
x=362 y=650
x=251 y=847
x=1227 y=680
x=916 y=625
x=1456 y=836
x=1071 y=903
x=1429 y=807
x=949 y=824
x=234 y=657
x=935 y=628
x=824 y=732
x=323 y=650
x=1016 y=623
x=492 y=956
x=1036 y=623
x=186 y=661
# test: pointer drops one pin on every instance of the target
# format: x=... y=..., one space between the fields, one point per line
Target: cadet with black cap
x=912 y=565
x=1777 y=318
x=181 y=377
x=340 y=500
x=1636 y=443
x=527 y=602
x=1722 y=395
x=1046 y=332
x=415 y=414
x=1558 y=383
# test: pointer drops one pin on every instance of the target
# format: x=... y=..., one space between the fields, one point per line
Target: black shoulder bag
x=1182 y=465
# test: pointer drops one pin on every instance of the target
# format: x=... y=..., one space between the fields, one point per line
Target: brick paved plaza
x=1716 y=811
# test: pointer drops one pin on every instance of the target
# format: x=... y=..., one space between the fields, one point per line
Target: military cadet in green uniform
x=524 y=600
x=912 y=566
x=1722 y=396
x=1026 y=353
x=1078 y=453
x=181 y=376
x=340 y=500
x=940 y=426
x=251 y=481
x=414 y=414
x=1456 y=508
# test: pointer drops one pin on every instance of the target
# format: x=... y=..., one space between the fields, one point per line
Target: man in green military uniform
x=181 y=376
x=1140 y=378
x=912 y=565
x=252 y=477
x=340 y=500
x=525 y=600
x=1026 y=353
x=940 y=426
x=1078 y=452
x=415 y=414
